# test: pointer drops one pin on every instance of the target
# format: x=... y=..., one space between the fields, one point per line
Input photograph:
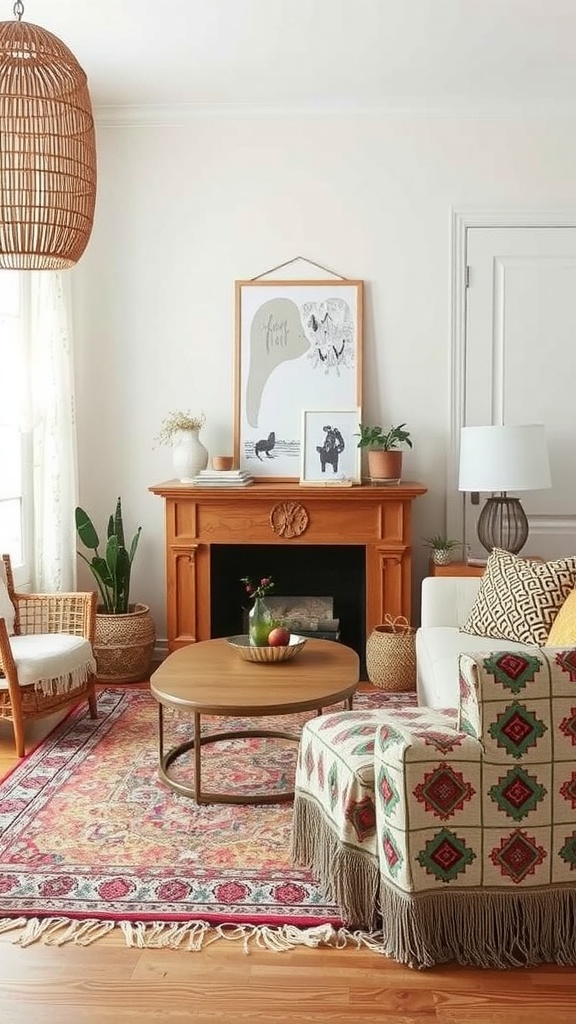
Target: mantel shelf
x=264 y=489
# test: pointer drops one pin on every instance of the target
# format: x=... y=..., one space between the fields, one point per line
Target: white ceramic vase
x=189 y=455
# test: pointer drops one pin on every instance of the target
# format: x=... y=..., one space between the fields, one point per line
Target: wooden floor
x=109 y=983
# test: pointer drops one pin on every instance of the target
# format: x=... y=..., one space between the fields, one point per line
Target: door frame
x=461 y=221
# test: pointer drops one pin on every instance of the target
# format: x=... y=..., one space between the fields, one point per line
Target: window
x=15 y=443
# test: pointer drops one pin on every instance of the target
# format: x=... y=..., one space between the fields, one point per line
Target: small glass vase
x=259 y=623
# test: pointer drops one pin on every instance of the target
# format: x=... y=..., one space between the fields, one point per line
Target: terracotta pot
x=383 y=465
x=222 y=462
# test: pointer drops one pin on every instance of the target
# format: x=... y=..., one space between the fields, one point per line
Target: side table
x=455 y=569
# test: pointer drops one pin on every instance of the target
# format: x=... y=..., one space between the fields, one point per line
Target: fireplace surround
x=364 y=534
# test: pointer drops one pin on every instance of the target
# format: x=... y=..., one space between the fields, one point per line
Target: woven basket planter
x=391 y=655
x=123 y=645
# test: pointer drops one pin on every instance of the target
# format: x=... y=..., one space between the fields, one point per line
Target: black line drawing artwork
x=329 y=452
x=329 y=326
x=265 y=445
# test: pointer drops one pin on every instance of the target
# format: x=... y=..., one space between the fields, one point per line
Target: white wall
x=183 y=212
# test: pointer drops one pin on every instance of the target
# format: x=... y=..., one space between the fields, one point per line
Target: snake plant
x=111 y=571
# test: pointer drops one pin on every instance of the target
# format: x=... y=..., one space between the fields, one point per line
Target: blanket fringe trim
x=58 y=685
x=480 y=928
x=192 y=936
x=349 y=877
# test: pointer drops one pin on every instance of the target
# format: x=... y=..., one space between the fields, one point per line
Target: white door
x=519 y=364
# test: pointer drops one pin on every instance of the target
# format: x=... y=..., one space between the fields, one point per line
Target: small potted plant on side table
x=384 y=454
x=441 y=548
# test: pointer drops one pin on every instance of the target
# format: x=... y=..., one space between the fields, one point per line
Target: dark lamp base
x=503 y=524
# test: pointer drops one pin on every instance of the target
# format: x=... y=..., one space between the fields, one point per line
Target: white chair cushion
x=55 y=662
x=7 y=610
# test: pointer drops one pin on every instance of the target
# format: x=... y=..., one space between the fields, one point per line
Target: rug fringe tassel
x=57 y=931
x=8 y=924
x=192 y=936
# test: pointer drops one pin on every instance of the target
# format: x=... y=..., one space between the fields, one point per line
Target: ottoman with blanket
x=473 y=857
x=334 y=829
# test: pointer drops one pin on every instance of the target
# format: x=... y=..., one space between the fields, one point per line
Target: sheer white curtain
x=55 y=475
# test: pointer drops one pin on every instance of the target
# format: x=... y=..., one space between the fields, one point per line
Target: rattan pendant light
x=47 y=150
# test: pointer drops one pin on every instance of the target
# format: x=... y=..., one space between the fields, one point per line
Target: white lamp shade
x=506 y=458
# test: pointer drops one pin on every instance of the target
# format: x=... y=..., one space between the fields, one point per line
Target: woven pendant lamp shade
x=47 y=151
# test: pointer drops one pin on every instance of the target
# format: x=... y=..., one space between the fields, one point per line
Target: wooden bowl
x=267 y=655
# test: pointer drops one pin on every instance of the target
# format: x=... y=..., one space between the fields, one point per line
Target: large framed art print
x=298 y=346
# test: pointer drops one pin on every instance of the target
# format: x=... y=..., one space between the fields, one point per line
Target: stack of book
x=223 y=478
x=308 y=616
x=319 y=632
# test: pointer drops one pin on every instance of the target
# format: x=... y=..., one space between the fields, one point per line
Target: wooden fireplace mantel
x=287 y=513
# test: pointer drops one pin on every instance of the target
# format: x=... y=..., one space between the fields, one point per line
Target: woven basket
x=123 y=645
x=391 y=655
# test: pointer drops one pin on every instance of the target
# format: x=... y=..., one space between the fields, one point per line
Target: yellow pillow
x=563 y=632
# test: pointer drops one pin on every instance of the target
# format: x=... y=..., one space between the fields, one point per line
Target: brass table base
x=204 y=797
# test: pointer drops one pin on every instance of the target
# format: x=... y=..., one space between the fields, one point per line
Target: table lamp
x=503 y=458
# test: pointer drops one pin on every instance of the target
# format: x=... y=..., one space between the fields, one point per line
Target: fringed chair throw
x=470 y=827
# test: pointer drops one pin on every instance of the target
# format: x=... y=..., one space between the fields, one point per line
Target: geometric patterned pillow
x=519 y=599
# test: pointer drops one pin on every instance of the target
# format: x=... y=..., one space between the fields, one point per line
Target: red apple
x=279 y=637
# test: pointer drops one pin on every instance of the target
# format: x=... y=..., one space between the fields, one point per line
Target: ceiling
x=466 y=56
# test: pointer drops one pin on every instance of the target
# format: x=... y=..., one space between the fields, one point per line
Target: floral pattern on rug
x=88 y=830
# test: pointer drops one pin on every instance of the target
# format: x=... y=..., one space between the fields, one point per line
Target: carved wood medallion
x=289 y=519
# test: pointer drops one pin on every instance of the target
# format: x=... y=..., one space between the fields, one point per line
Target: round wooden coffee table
x=210 y=678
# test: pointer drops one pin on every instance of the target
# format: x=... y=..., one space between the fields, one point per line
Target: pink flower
x=257 y=589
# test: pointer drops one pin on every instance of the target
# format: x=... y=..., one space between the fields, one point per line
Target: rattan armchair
x=45 y=617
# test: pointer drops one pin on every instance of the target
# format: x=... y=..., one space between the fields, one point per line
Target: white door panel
x=520 y=363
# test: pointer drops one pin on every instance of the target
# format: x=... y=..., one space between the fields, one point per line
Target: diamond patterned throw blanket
x=472 y=853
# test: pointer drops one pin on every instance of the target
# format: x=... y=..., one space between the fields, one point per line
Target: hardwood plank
x=517 y=1007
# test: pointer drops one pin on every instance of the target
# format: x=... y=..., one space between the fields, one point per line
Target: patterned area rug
x=91 y=839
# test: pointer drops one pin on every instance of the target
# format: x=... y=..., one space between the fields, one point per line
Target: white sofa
x=446 y=604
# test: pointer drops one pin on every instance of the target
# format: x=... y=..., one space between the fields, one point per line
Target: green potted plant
x=125 y=634
x=441 y=548
x=384 y=451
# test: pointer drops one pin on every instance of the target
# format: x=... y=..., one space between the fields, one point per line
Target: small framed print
x=330 y=452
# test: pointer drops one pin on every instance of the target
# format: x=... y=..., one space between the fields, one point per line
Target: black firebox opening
x=316 y=570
